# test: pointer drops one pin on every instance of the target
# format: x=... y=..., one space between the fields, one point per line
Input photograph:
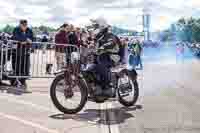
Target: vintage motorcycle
x=84 y=84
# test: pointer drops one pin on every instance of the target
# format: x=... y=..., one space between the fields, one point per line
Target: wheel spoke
x=69 y=103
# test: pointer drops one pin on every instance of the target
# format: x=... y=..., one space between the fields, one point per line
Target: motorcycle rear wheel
x=135 y=88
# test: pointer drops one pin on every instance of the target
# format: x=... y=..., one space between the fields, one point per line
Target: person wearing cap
x=21 y=56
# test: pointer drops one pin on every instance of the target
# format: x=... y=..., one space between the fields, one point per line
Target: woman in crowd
x=61 y=38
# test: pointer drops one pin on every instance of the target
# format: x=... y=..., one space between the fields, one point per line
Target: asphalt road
x=168 y=103
x=35 y=113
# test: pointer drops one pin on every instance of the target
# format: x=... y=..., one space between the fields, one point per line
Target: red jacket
x=61 y=38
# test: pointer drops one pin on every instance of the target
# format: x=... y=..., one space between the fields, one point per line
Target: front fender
x=80 y=76
x=59 y=73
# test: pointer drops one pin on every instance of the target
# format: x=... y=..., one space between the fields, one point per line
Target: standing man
x=138 y=50
x=44 y=43
x=44 y=38
x=135 y=49
x=21 y=57
x=132 y=54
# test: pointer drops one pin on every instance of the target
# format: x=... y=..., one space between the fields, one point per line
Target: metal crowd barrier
x=35 y=60
x=1 y=59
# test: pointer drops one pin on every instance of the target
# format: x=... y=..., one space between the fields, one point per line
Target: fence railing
x=35 y=60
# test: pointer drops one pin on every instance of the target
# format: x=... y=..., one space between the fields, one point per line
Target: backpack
x=131 y=48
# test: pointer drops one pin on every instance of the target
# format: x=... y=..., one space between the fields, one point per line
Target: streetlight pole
x=146 y=23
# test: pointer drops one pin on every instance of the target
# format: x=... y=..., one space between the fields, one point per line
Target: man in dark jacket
x=45 y=39
x=108 y=44
x=21 y=56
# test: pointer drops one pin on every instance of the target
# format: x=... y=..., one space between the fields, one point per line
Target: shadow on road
x=99 y=116
x=120 y=115
x=13 y=90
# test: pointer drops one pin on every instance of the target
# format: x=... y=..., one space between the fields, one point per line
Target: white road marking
x=114 y=128
x=29 y=123
x=39 y=107
x=103 y=128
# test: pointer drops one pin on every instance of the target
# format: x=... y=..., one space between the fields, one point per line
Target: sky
x=122 y=13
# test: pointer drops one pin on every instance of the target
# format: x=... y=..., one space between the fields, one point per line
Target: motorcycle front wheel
x=68 y=104
x=128 y=90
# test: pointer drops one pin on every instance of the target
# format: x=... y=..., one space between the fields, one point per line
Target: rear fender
x=132 y=73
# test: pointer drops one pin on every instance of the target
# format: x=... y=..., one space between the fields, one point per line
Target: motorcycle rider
x=107 y=44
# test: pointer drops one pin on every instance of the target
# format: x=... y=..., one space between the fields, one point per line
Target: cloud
x=126 y=13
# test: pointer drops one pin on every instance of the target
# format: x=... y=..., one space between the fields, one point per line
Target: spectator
x=90 y=39
x=60 y=39
x=73 y=39
x=45 y=39
x=44 y=42
x=122 y=47
x=133 y=56
x=1 y=47
x=90 y=36
x=84 y=46
x=180 y=52
x=138 y=50
x=63 y=37
x=78 y=34
x=21 y=57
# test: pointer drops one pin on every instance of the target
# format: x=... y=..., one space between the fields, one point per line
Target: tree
x=8 y=29
x=186 y=29
x=181 y=21
x=196 y=32
x=118 y=31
